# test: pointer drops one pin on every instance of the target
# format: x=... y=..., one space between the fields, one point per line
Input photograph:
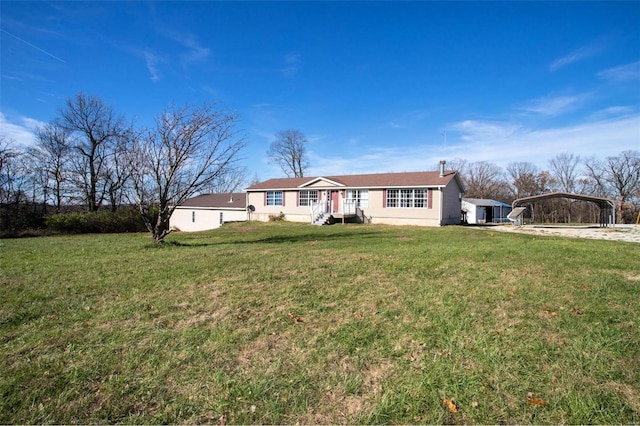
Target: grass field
x=288 y=323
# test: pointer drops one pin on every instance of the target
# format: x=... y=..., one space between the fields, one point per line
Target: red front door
x=334 y=201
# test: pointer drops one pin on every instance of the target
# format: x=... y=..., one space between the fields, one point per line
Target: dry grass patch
x=633 y=276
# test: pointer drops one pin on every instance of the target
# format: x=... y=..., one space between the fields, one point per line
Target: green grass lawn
x=286 y=323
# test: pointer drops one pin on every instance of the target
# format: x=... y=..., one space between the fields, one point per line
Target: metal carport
x=607 y=208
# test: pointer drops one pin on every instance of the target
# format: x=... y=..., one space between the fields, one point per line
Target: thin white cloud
x=471 y=129
x=190 y=52
x=32 y=46
x=553 y=105
x=355 y=140
x=613 y=111
x=152 y=61
x=20 y=131
x=292 y=63
x=628 y=72
x=575 y=56
x=591 y=138
x=215 y=93
x=195 y=52
x=496 y=142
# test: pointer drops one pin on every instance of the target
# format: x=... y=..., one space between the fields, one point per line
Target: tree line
x=91 y=158
x=616 y=178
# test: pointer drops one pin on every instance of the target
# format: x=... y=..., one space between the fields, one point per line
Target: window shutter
x=283 y=198
x=384 y=198
x=265 y=198
x=430 y=198
x=297 y=198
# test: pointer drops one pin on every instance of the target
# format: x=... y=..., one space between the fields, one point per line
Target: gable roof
x=374 y=180
x=235 y=200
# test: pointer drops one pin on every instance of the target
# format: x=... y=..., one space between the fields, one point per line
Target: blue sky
x=373 y=85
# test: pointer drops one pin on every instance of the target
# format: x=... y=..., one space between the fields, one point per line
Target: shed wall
x=194 y=219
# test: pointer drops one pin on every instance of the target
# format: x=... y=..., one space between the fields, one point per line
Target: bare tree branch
x=96 y=130
x=288 y=151
x=189 y=149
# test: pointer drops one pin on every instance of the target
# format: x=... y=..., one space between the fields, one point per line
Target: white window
x=407 y=198
x=308 y=197
x=420 y=198
x=392 y=198
x=274 y=198
x=359 y=196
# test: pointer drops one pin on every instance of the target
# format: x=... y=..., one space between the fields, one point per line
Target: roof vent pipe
x=442 y=163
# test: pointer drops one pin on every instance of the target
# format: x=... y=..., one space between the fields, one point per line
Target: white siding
x=194 y=219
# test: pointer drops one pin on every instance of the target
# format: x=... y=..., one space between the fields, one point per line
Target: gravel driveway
x=629 y=233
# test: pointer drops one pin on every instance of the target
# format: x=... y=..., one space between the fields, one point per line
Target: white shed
x=209 y=211
x=479 y=210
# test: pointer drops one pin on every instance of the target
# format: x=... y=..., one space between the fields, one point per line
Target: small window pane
x=274 y=198
x=307 y=198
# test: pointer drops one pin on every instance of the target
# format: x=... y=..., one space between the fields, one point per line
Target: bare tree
x=95 y=129
x=524 y=180
x=619 y=177
x=50 y=155
x=597 y=184
x=231 y=181
x=7 y=154
x=484 y=180
x=564 y=169
x=117 y=171
x=189 y=148
x=289 y=152
x=13 y=182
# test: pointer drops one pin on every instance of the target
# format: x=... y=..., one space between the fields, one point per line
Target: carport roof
x=600 y=201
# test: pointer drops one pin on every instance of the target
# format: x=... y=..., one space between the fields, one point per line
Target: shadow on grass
x=275 y=239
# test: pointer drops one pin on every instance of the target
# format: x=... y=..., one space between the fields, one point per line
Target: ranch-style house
x=430 y=198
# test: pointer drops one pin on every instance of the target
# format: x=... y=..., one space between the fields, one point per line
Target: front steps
x=322 y=219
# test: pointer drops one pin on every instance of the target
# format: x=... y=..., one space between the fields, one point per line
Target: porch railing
x=325 y=206
x=349 y=207
x=318 y=208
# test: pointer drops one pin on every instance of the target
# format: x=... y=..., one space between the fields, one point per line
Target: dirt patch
x=266 y=351
x=630 y=395
x=338 y=406
x=633 y=276
x=202 y=318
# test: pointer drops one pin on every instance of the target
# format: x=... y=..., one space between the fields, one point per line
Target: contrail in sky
x=29 y=44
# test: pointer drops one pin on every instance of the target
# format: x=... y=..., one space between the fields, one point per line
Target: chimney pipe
x=442 y=163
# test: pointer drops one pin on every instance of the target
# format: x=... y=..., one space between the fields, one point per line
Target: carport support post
x=533 y=219
x=613 y=216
